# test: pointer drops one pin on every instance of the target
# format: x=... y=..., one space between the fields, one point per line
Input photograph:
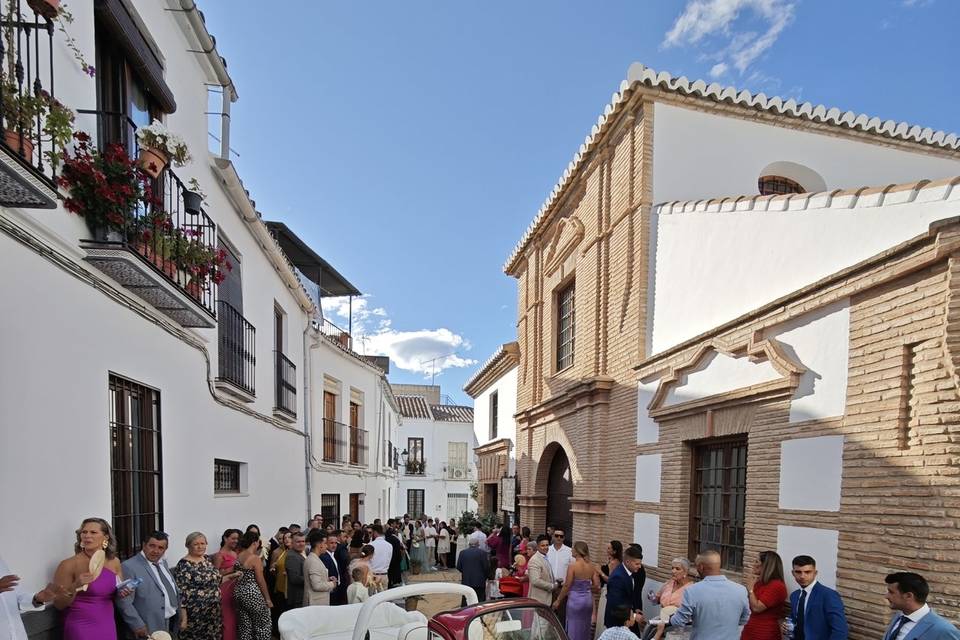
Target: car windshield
x=521 y=623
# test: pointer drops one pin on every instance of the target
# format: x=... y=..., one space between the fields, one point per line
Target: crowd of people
x=239 y=590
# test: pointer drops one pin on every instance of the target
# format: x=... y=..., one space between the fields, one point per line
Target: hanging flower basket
x=192 y=201
x=152 y=161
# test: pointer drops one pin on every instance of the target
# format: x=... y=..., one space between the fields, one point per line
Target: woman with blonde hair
x=582 y=580
x=670 y=594
x=89 y=581
x=198 y=584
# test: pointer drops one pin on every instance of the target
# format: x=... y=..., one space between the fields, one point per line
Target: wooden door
x=329 y=426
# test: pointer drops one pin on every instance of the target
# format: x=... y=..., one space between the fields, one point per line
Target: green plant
x=58 y=126
x=156 y=136
x=194 y=185
x=21 y=109
x=487 y=521
x=65 y=17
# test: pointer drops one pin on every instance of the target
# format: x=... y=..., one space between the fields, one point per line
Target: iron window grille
x=494 y=410
x=236 y=349
x=226 y=476
x=415 y=502
x=719 y=500
x=286 y=385
x=778 y=185
x=136 y=463
x=565 y=326
x=330 y=507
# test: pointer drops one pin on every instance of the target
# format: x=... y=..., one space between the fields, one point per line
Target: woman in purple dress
x=87 y=598
x=582 y=581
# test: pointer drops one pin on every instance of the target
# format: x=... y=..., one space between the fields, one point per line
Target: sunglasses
x=558 y=535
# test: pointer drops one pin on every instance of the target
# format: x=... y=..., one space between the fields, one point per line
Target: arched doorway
x=559 y=492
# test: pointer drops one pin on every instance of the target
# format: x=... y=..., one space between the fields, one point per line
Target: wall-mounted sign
x=508 y=493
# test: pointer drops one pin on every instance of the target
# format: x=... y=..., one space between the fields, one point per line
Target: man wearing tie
x=816 y=611
x=336 y=569
x=907 y=593
x=155 y=604
x=623 y=588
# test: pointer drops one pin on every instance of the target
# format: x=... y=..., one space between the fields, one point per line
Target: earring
x=106 y=543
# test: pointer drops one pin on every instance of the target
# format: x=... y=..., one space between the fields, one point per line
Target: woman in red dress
x=767 y=593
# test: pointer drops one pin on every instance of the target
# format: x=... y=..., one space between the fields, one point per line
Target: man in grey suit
x=155 y=604
x=474 y=566
x=295 y=563
x=907 y=594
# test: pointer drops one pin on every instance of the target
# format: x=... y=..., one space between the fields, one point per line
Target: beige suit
x=317 y=586
x=541 y=579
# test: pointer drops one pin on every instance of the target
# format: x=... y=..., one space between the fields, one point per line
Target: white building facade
x=132 y=387
x=437 y=470
x=494 y=391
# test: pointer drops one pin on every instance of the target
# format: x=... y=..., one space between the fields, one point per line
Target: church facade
x=705 y=366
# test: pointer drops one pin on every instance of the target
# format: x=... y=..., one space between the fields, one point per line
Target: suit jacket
x=339 y=594
x=541 y=577
x=295 y=579
x=144 y=608
x=623 y=589
x=824 y=618
x=393 y=572
x=930 y=627
x=473 y=565
x=317 y=586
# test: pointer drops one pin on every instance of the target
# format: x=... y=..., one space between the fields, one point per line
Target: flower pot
x=192 y=201
x=12 y=139
x=106 y=234
x=152 y=161
x=46 y=8
x=194 y=290
x=415 y=568
x=344 y=340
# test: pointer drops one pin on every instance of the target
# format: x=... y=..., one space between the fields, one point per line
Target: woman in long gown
x=581 y=581
x=87 y=598
x=251 y=595
x=198 y=583
x=443 y=545
x=225 y=561
x=418 y=549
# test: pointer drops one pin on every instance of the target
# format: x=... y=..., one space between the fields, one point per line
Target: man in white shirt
x=430 y=537
x=480 y=537
x=13 y=600
x=155 y=604
x=559 y=556
x=382 y=554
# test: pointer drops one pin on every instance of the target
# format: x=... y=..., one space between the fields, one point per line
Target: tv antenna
x=433 y=365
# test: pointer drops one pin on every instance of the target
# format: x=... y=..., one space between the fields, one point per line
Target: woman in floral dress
x=198 y=583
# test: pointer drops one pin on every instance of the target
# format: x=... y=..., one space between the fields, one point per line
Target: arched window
x=778 y=185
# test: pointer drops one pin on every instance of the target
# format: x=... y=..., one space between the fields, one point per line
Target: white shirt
x=334 y=558
x=913 y=618
x=382 y=554
x=482 y=539
x=808 y=589
x=559 y=560
x=168 y=609
x=428 y=533
x=11 y=604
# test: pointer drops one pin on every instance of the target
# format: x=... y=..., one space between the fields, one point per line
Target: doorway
x=559 y=493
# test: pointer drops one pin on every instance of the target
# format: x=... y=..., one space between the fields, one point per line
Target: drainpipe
x=307 y=421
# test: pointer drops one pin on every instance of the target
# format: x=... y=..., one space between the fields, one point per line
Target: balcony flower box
x=160 y=147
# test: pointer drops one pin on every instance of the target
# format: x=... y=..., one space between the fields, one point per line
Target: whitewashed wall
x=697 y=155
x=436 y=437
x=506 y=389
x=375 y=481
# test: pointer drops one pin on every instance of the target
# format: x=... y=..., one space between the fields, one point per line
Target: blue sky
x=411 y=143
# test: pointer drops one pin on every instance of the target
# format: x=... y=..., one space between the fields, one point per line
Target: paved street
x=432 y=605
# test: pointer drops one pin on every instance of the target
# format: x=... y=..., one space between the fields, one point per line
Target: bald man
x=716 y=607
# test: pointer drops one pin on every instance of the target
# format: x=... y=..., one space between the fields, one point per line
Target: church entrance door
x=559 y=492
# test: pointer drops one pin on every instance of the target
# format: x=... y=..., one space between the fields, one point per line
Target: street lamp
x=404 y=456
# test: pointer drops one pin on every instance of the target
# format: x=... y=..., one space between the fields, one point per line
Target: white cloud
x=426 y=351
x=721 y=25
x=718 y=69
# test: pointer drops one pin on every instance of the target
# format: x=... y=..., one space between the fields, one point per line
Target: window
x=719 y=500
x=494 y=408
x=136 y=471
x=330 y=507
x=457 y=460
x=125 y=100
x=415 y=502
x=565 y=326
x=415 y=462
x=778 y=185
x=456 y=505
x=329 y=426
x=356 y=437
x=226 y=476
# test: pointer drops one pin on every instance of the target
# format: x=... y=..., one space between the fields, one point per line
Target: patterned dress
x=253 y=616
x=199 y=587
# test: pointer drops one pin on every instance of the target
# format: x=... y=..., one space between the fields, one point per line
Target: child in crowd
x=624 y=619
x=357 y=591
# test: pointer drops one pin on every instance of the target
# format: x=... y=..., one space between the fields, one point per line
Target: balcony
x=28 y=109
x=415 y=468
x=344 y=444
x=236 y=351
x=286 y=387
x=150 y=255
x=336 y=335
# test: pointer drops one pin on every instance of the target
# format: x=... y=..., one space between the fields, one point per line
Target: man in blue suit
x=907 y=593
x=625 y=588
x=816 y=610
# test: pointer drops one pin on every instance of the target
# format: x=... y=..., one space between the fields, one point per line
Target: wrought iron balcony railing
x=28 y=109
x=168 y=238
x=415 y=467
x=344 y=443
x=286 y=385
x=336 y=334
x=237 y=353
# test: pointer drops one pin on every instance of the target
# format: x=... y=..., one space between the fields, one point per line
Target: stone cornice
x=506 y=357
x=586 y=392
